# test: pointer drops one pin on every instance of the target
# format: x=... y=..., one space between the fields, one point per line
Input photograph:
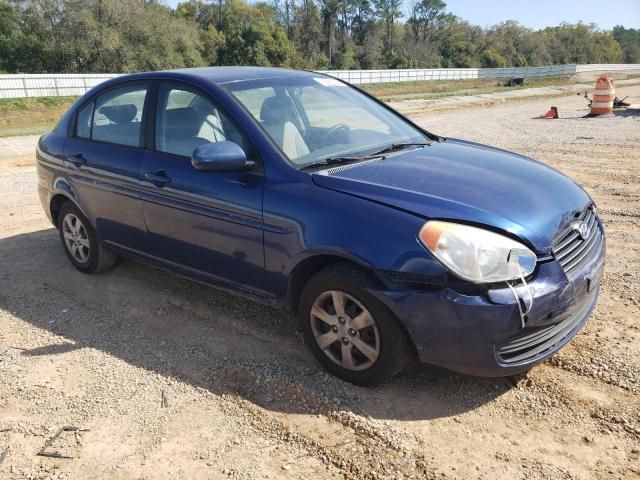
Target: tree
x=388 y=11
x=428 y=24
x=629 y=41
x=130 y=35
x=286 y=11
x=253 y=36
x=203 y=14
x=329 y=14
x=101 y=36
x=424 y=15
x=581 y=43
x=513 y=43
x=306 y=29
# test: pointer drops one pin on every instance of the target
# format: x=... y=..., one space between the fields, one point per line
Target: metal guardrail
x=54 y=85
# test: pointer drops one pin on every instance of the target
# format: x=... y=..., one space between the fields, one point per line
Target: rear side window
x=117 y=116
x=83 y=122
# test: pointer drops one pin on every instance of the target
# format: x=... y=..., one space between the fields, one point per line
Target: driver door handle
x=157 y=178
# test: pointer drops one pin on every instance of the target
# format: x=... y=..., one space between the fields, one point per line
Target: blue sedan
x=296 y=189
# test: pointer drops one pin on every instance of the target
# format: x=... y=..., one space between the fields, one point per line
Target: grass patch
x=440 y=88
x=54 y=101
x=31 y=116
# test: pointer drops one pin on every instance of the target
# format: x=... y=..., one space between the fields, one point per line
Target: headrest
x=277 y=109
x=182 y=122
x=119 y=113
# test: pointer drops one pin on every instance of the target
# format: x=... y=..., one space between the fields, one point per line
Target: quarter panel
x=49 y=168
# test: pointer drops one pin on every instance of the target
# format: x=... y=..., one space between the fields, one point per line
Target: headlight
x=475 y=254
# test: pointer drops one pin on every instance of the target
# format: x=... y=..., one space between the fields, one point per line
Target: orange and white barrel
x=603 y=96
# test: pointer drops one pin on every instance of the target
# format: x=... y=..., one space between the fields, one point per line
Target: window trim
x=77 y=114
x=143 y=120
x=196 y=90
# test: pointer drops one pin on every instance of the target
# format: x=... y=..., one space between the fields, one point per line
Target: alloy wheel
x=76 y=238
x=345 y=330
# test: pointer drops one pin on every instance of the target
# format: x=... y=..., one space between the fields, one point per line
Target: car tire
x=364 y=356
x=81 y=243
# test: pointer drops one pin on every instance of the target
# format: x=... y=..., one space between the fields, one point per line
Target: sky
x=538 y=14
x=542 y=13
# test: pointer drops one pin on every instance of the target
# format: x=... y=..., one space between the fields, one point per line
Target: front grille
x=533 y=343
x=572 y=250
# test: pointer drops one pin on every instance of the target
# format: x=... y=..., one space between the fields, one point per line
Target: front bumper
x=482 y=334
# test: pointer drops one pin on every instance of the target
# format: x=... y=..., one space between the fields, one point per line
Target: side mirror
x=221 y=157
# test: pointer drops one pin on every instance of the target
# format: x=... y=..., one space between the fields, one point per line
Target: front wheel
x=348 y=330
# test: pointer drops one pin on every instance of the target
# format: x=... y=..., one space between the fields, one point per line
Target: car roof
x=222 y=75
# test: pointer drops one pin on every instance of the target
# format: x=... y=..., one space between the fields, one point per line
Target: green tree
x=629 y=41
x=101 y=36
x=253 y=36
x=306 y=30
x=130 y=35
x=428 y=24
x=389 y=12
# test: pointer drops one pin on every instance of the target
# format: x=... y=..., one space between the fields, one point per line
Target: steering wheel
x=341 y=129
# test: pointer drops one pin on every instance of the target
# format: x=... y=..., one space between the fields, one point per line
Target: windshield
x=316 y=118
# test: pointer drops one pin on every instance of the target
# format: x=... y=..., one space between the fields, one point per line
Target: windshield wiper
x=379 y=154
x=400 y=146
x=325 y=162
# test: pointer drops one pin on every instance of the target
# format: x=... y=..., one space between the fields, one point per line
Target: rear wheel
x=349 y=331
x=80 y=242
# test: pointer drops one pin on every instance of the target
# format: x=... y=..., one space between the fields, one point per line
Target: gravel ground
x=169 y=379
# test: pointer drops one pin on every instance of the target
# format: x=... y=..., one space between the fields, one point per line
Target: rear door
x=207 y=222
x=104 y=154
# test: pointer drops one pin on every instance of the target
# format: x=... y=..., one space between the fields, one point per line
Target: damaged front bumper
x=482 y=334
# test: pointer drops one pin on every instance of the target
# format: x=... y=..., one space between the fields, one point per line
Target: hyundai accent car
x=296 y=189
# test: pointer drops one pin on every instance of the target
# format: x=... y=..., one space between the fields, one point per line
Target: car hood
x=468 y=182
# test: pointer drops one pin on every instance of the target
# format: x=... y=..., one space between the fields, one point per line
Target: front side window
x=313 y=118
x=185 y=120
x=117 y=117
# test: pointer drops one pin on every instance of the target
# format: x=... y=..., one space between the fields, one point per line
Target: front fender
x=303 y=220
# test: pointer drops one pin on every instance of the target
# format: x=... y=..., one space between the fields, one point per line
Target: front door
x=209 y=223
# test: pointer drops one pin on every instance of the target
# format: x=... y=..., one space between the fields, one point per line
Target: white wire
x=523 y=313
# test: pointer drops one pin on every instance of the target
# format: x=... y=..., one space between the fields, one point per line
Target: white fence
x=54 y=85
x=411 y=75
x=49 y=84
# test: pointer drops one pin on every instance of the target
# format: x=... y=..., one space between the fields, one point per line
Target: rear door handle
x=157 y=178
x=77 y=159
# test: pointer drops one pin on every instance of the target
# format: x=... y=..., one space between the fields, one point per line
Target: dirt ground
x=172 y=380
